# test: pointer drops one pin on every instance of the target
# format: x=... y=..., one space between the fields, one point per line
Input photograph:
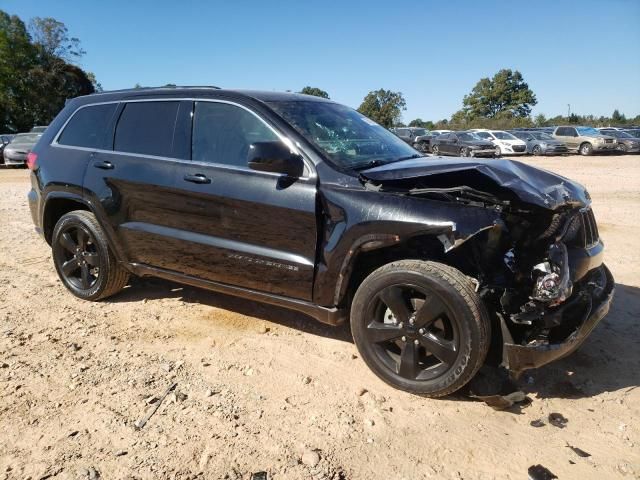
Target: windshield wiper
x=415 y=155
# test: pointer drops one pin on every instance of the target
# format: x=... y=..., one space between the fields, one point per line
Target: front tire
x=83 y=259
x=537 y=151
x=420 y=326
x=464 y=152
x=586 y=149
x=498 y=152
x=435 y=149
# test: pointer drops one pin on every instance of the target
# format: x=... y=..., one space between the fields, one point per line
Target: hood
x=529 y=184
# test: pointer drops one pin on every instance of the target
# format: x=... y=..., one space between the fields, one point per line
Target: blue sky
x=586 y=53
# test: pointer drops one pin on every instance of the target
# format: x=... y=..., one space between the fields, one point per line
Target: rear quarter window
x=87 y=126
x=146 y=128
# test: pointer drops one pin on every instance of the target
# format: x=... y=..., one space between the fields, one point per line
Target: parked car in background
x=440 y=132
x=463 y=144
x=15 y=153
x=541 y=143
x=304 y=203
x=5 y=139
x=585 y=140
x=418 y=138
x=504 y=143
x=38 y=129
x=627 y=143
x=634 y=132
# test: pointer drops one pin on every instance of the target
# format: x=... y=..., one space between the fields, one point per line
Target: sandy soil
x=263 y=389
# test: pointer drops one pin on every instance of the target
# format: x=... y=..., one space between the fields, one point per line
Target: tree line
x=501 y=102
x=38 y=71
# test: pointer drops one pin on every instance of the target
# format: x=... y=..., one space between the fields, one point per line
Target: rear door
x=239 y=226
x=132 y=181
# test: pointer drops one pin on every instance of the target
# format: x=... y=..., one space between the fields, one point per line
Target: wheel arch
x=57 y=205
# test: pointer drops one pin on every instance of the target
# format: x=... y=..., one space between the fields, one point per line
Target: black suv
x=304 y=203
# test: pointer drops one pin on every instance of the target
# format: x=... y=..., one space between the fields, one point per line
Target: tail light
x=31 y=160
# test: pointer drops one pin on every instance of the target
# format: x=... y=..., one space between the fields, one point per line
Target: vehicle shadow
x=609 y=360
x=155 y=288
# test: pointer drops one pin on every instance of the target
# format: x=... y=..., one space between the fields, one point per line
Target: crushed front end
x=539 y=263
x=557 y=292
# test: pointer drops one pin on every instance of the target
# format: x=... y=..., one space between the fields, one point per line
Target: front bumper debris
x=518 y=358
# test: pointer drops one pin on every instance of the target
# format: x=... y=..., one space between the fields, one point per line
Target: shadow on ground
x=154 y=288
x=609 y=360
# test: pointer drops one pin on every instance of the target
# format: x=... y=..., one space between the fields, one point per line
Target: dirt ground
x=263 y=389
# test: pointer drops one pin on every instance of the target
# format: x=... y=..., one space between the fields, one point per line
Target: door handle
x=197 y=178
x=104 y=165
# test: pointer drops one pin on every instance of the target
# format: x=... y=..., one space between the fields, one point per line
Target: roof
x=200 y=91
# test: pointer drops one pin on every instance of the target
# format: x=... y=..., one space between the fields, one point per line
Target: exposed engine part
x=510 y=259
x=552 y=283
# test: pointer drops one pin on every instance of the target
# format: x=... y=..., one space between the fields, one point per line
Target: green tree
x=36 y=76
x=315 y=91
x=383 y=106
x=540 y=120
x=617 y=117
x=418 y=122
x=17 y=58
x=505 y=92
x=52 y=37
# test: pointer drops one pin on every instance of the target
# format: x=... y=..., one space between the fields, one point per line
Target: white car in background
x=506 y=143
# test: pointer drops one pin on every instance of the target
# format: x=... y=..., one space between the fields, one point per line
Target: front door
x=239 y=226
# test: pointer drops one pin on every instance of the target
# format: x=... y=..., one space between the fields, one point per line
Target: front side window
x=347 y=138
x=147 y=128
x=222 y=133
x=87 y=127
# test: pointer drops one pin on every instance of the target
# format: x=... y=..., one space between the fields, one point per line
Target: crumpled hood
x=531 y=185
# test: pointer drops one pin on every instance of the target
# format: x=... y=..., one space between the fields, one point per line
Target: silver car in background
x=15 y=153
x=541 y=143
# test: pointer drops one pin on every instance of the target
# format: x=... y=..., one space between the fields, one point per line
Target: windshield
x=542 y=136
x=26 y=138
x=587 y=131
x=483 y=135
x=617 y=134
x=468 y=137
x=504 y=136
x=350 y=140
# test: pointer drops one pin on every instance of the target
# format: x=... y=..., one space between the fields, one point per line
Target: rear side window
x=222 y=133
x=87 y=127
x=146 y=128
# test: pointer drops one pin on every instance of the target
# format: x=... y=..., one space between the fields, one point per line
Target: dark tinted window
x=87 y=127
x=222 y=133
x=147 y=128
x=564 y=131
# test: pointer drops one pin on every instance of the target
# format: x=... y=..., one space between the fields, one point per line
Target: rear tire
x=435 y=149
x=82 y=257
x=464 y=152
x=420 y=326
x=586 y=149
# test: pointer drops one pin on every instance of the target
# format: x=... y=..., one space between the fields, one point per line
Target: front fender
x=354 y=219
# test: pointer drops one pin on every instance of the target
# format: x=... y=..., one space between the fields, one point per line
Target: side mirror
x=274 y=157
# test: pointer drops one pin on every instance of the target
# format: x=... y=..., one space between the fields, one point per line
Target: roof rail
x=165 y=87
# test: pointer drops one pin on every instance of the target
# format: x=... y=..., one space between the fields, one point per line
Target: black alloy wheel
x=83 y=259
x=77 y=257
x=412 y=332
x=420 y=326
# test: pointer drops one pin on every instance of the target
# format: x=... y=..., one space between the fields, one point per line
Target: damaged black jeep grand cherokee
x=304 y=203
